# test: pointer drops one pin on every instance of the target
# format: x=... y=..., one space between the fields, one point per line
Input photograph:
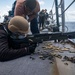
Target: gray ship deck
x=26 y=66
x=35 y=66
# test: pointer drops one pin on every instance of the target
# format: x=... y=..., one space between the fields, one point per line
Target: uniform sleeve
x=5 y=52
x=37 y=9
x=19 y=10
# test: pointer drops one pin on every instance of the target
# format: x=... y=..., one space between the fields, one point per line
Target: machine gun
x=38 y=38
x=51 y=36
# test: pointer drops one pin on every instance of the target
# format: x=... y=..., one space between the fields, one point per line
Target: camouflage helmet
x=18 y=24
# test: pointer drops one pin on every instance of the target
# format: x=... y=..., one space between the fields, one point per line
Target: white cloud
x=8 y=7
x=42 y=2
x=70 y=15
x=4 y=11
x=72 y=12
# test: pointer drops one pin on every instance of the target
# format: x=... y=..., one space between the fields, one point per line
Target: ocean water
x=70 y=26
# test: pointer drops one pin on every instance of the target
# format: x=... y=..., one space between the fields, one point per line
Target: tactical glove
x=31 y=48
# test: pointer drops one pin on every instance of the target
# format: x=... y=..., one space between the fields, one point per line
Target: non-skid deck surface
x=66 y=67
x=27 y=66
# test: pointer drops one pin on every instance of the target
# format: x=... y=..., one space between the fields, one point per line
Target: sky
x=6 y=5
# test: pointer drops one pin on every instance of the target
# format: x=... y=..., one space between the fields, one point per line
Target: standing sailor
x=28 y=9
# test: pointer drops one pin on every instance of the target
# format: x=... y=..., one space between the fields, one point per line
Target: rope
x=52 y=5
